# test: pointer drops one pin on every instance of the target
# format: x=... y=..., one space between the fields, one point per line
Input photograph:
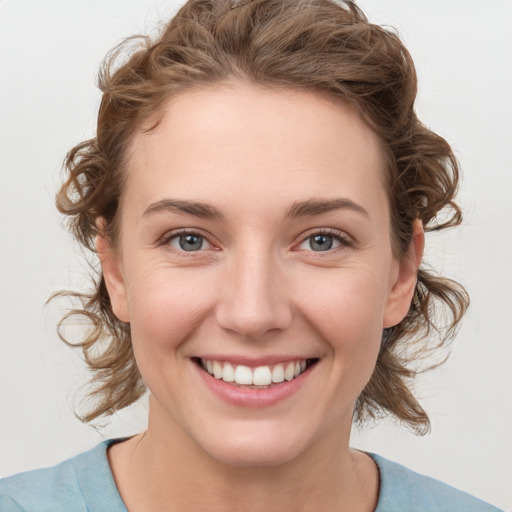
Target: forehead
x=238 y=138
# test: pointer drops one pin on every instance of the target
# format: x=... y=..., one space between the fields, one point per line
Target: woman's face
x=255 y=245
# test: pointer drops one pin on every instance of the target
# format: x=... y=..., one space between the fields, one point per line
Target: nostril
x=253 y=303
x=253 y=322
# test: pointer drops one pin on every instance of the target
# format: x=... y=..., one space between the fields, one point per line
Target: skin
x=256 y=289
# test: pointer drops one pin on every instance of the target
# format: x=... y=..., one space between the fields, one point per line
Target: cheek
x=348 y=317
x=348 y=304
x=165 y=308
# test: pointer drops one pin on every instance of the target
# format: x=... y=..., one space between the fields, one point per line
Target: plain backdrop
x=49 y=57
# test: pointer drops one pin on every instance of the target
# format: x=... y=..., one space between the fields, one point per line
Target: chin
x=252 y=455
x=256 y=447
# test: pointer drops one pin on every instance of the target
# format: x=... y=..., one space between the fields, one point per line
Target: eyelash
x=168 y=237
x=338 y=236
x=343 y=240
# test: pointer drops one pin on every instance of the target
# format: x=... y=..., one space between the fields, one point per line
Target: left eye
x=320 y=242
x=189 y=242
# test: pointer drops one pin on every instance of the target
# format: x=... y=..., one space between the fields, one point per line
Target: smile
x=259 y=376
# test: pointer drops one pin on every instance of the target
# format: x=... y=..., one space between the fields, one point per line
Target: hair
x=316 y=45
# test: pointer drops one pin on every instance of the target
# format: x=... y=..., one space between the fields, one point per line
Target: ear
x=400 y=296
x=112 y=272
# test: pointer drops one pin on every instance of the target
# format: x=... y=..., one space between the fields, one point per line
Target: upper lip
x=254 y=361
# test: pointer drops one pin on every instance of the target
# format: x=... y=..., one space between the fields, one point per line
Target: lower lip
x=253 y=397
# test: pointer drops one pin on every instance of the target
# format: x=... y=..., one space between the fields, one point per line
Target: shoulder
x=52 y=488
x=82 y=484
x=404 y=490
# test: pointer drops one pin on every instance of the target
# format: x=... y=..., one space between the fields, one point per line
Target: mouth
x=258 y=377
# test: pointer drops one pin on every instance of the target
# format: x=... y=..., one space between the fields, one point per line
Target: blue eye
x=321 y=242
x=189 y=242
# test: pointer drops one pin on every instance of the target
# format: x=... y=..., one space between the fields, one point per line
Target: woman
x=257 y=194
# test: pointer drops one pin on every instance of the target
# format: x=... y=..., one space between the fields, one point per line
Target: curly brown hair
x=317 y=45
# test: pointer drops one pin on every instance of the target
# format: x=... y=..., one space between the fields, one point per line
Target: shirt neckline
x=116 y=503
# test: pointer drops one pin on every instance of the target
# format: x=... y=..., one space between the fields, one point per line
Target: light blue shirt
x=85 y=484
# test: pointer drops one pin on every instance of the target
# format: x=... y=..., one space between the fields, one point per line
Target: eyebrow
x=317 y=207
x=297 y=209
x=196 y=208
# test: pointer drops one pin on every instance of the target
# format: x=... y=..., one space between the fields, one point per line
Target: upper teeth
x=259 y=376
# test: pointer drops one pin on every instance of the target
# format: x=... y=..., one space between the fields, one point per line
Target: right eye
x=188 y=242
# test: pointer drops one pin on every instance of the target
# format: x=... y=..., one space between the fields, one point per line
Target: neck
x=168 y=471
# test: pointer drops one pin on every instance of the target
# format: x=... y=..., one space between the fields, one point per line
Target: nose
x=254 y=297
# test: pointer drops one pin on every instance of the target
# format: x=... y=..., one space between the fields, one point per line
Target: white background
x=49 y=56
